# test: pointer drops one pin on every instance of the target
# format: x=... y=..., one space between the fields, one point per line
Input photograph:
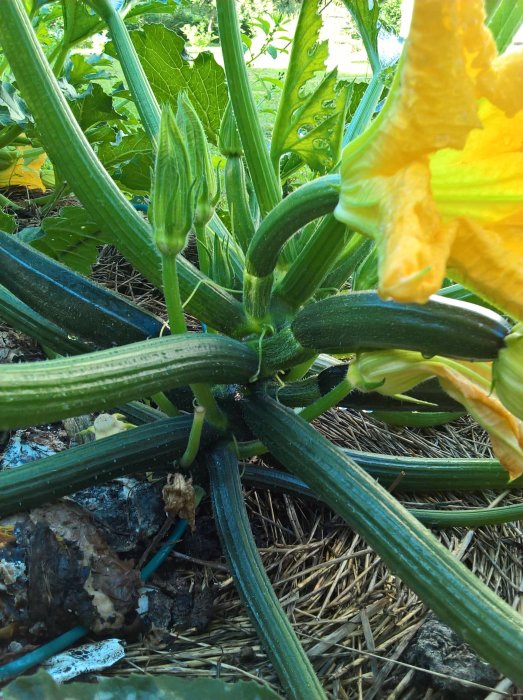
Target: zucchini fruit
x=469 y=517
x=22 y=318
x=147 y=448
x=361 y=321
x=442 y=582
x=71 y=301
x=39 y=392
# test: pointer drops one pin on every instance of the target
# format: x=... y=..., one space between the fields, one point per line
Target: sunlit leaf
x=311 y=116
x=161 y=52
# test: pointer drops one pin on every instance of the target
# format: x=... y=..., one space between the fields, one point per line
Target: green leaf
x=504 y=18
x=161 y=52
x=152 y=7
x=129 y=160
x=138 y=687
x=311 y=117
x=81 y=69
x=13 y=109
x=80 y=21
x=93 y=106
x=71 y=238
x=7 y=222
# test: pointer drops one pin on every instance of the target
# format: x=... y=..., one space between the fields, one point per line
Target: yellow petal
x=489 y=261
x=414 y=246
x=506 y=431
x=24 y=171
x=483 y=181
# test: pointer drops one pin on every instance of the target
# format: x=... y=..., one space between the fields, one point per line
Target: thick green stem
x=264 y=179
x=202 y=392
x=202 y=245
x=6 y=202
x=365 y=109
x=133 y=71
x=274 y=629
x=9 y=134
x=171 y=291
x=470 y=517
x=193 y=443
x=327 y=401
x=441 y=581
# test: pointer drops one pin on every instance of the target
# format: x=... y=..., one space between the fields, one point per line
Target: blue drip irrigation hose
x=38 y=656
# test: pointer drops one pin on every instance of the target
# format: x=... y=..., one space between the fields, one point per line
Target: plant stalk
x=265 y=181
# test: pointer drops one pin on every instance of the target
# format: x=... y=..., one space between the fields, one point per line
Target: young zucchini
x=146 y=448
x=361 y=321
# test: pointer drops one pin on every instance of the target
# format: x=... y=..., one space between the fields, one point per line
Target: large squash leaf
x=137 y=687
x=71 y=238
x=162 y=53
x=311 y=117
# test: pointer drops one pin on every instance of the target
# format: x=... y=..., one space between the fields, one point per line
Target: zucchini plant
x=349 y=264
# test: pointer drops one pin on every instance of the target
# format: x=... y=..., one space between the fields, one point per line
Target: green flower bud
x=200 y=160
x=508 y=372
x=229 y=141
x=172 y=206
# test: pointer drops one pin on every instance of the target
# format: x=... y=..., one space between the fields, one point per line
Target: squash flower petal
x=392 y=372
x=437 y=178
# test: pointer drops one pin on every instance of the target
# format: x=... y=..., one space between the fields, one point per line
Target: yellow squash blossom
x=21 y=167
x=393 y=372
x=437 y=179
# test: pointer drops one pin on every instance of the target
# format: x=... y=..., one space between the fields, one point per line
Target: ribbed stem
x=365 y=109
x=133 y=71
x=171 y=291
x=442 y=582
x=265 y=182
x=271 y=623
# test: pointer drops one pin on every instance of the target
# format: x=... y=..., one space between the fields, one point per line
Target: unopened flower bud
x=172 y=197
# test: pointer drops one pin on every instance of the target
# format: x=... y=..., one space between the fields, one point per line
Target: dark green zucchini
x=417 y=419
x=311 y=389
x=146 y=448
x=491 y=626
x=40 y=392
x=274 y=629
x=82 y=308
x=22 y=318
x=261 y=477
x=429 y=475
x=362 y=321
